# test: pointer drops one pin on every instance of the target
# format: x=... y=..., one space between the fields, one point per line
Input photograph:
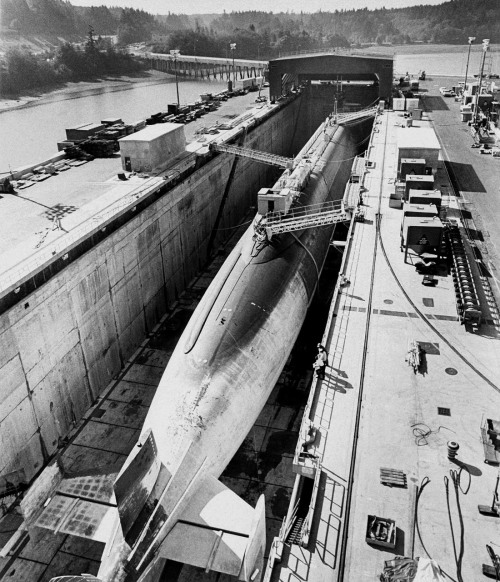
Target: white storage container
x=412 y=103
x=152 y=148
x=398 y=103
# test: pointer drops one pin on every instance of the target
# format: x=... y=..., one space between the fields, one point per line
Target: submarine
x=167 y=504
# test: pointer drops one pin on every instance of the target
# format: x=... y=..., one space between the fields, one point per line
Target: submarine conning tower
x=289 y=71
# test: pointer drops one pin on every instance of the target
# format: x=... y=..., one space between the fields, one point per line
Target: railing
x=329 y=50
x=207 y=60
x=274 y=554
x=354 y=115
x=264 y=157
x=325 y=213
x=306 y=526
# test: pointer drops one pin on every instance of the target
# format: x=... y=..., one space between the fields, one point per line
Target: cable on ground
x=421 y=431
x=420 y=489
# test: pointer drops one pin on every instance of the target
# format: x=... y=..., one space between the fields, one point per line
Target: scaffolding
x=342 y=118
x=323 y=214
x=258 y=156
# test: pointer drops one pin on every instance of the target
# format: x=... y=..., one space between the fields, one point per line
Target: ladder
x=342 y=118
x=488 y=63
x=323 y=214
x=296 y=531
x=256 y=155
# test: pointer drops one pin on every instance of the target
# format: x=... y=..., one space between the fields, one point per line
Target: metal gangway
x=256 y=155
x=342 y=118
x=298 y=218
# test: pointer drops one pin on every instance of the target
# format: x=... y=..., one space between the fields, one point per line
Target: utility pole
x=470 y=41
x=232 y=46
x=174 y=54
x=486 y=45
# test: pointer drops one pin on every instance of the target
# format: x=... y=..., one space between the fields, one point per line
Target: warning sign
x=423 y=240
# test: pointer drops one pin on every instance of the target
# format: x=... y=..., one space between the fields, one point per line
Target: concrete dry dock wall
x=61 y=345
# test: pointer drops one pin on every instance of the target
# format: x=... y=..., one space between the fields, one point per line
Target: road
x=475 y=174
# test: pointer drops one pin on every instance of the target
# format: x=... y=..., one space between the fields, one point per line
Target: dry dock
x=371 y=412
x=374 y=412
x=110 y=428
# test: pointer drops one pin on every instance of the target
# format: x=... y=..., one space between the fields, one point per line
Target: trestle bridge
x=207 y=68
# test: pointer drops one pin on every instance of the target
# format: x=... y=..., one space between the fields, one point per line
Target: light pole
x=470 y=41
x=174 y=54
x=486 y=46
x=232 y=46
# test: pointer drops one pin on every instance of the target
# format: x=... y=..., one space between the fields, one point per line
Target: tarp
x=428 y=571
x=399 y=570
x=402 y=569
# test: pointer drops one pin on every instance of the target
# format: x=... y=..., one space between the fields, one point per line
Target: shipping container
x=152 y=148
x=399 y=103
x=425 y=197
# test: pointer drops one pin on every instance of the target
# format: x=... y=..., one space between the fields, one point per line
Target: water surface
x=31 y=133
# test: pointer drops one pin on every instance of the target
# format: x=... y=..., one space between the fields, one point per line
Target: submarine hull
x=240 y=336
x=166 y=503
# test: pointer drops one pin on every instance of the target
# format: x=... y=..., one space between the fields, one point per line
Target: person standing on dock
x=321 y=362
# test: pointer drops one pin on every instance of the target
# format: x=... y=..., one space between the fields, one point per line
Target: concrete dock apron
x=373 y=411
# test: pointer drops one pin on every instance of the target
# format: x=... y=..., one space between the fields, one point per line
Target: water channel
x=31 y=133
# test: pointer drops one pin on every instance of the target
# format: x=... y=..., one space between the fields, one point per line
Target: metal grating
x=444 y=411
x=392 y=477
x=96 y=488
x=430 y=348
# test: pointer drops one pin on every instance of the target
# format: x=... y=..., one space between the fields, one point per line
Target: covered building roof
x=330 y=66
x=417 y=138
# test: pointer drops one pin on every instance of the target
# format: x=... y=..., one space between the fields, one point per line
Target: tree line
x=450 y=22
x=23 y=70
x=257 y=34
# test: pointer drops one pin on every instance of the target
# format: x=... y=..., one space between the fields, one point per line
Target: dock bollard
x=452 y=449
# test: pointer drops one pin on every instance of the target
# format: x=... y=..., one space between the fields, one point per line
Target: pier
x=199 y=67
x=382 y=426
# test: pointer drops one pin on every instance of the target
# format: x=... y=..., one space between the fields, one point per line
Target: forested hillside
x=450 y=22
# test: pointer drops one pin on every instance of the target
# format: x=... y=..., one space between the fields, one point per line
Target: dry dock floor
x=110 y=429
x=373 y=411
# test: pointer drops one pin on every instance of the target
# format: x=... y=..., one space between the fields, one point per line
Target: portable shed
x=422 y=235
x=411 y=166
x=418 y=182
x=152 y=148
x=418 y=142
x=416 y=196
